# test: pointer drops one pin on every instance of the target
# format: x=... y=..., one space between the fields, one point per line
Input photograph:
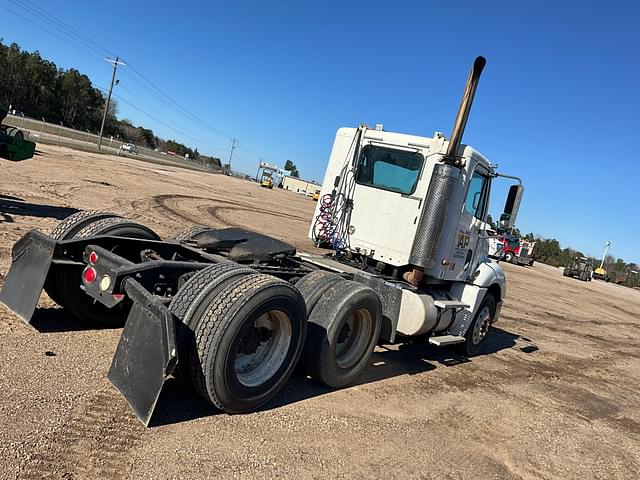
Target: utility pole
x=606 y=249
x=259 y=167
x=233 y=146
x=115 y=64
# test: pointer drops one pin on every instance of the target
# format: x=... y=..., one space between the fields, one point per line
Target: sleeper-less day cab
x=232 y=312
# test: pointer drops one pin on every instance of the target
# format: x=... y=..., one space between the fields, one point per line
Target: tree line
x=38 y=88
x=549 y=251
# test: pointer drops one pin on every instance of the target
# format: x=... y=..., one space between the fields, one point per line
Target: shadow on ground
x=58 y=320
x=12 y=206
x=178 y=403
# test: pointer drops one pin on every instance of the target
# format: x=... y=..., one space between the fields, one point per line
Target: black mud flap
x=30 y=262
x=147 y=352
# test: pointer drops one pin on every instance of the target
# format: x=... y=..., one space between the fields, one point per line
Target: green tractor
x=13 y=146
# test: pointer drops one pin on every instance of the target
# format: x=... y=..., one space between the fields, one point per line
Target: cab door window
x=475 y=203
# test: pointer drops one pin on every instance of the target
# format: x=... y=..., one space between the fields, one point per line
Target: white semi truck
x=396 y=228
x=232 y=312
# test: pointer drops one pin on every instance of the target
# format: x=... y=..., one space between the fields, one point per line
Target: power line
x=183 y=109
x=174 y=105
x=61 y=26
x=164 y=123
x=153 y=109
x=68 y=42
x=149 y=106
x=78 y=40
x=250 y=152
x=191 y=115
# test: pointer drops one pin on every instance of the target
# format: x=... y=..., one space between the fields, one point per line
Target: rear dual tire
x=343 y=328
x=191 y=233
x=63 y=283
x=65 y=230
x=313 y=285
x=241 y=338
x=242 y=333
x=201 y=289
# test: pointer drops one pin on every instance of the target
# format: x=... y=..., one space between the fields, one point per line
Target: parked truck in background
x=580 y=268
x=511 y=248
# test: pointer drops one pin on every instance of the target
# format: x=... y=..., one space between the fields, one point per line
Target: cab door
x=471 y=240
x=384 y=190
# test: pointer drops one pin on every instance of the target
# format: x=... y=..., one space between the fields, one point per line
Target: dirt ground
x=555 y=394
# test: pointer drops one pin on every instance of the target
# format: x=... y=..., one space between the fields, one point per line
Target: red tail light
x=93 y=258
x=89 y=275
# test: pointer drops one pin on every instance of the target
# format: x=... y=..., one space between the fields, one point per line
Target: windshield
x=389 y=169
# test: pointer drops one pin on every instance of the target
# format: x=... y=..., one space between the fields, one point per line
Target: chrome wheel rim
x=261 y=348
x=354 y=337
x=481 y=328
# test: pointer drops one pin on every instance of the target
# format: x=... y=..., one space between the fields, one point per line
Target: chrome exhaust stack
x=463 y=111
x=442 y=185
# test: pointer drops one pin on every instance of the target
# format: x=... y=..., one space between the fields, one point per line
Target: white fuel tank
x=419 y=315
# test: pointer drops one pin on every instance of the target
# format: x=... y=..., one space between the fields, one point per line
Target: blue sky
x=557 y=105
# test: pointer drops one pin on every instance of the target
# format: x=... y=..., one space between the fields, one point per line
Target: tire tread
x=61 y=230
x=214 y=324
x=190 y=232
x=186 y=302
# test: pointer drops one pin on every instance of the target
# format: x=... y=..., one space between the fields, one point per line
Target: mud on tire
x=479 y=329
x=343 y=329
x=313 y=285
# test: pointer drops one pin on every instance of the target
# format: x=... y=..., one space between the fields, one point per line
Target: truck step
x=449 y=304
x=445 y=340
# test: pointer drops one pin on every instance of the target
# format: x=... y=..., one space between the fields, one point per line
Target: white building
x=300 y=186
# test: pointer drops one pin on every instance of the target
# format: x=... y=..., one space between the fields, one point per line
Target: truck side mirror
x=508 y=218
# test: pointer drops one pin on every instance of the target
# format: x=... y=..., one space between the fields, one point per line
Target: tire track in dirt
x=215 y=212
x=49 y=189
x=171 y=204
x=553 y=323
x=94 y=443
